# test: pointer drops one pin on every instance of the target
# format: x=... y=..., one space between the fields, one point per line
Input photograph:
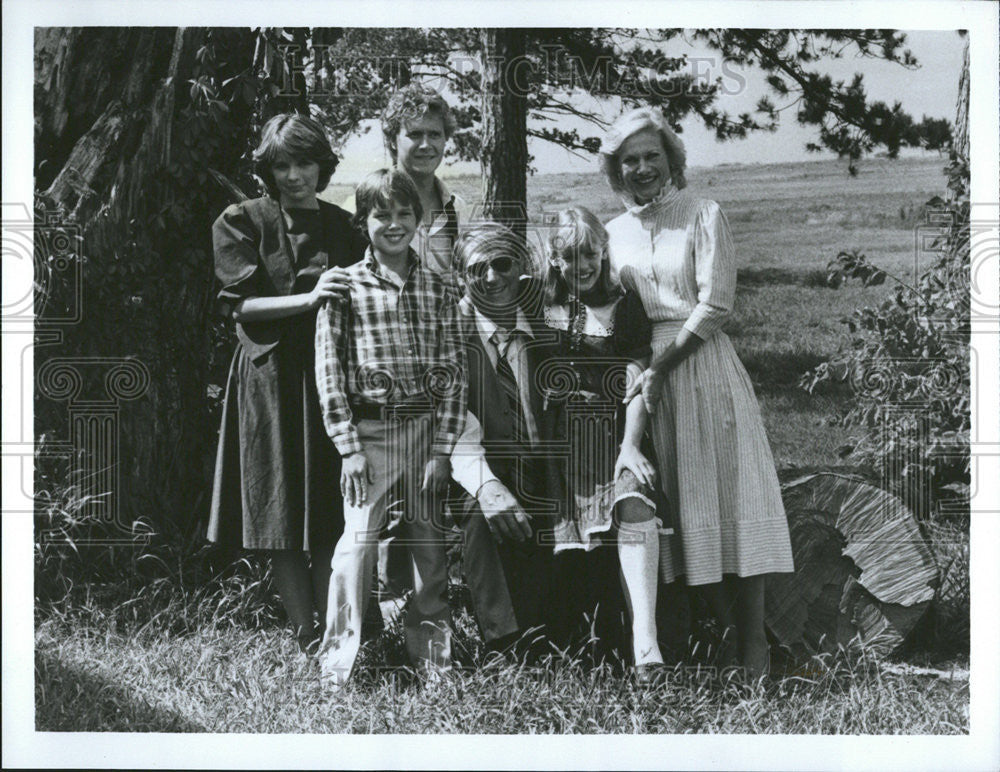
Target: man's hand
x=504 y=515
x=355 y=476
x=437 y=472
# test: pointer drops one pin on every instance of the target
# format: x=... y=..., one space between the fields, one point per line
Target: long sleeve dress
x=276 y=476
x=716 y=467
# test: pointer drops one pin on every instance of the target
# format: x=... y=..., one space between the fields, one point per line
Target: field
x=183 y=656
x=788 y=221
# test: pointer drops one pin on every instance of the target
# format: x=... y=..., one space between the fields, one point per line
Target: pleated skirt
x=716 y=467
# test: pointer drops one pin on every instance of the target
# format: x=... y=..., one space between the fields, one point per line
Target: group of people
x=402 y=373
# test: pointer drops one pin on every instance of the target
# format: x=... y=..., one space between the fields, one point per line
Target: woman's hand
x=652 y=387
x=437 y=472
x=631 y=458
x=634 y=387
x=355 y=476
x=332 y=283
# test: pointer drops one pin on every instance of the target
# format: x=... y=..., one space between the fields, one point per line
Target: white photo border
x=22 y=746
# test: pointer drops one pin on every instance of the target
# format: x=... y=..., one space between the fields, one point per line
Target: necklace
x=578 y=312
x=578 y=318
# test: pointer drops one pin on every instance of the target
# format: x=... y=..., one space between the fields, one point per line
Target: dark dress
x=277 y=472
x=585 y=418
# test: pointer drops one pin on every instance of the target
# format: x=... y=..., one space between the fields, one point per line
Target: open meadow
x=178 y=653
x=788 y=221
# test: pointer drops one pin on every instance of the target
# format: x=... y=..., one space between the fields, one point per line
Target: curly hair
x=298 y=136
x=630 y=123
x=409 y=103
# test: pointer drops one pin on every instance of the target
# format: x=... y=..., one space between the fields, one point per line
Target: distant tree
x=535 y=78
x=907 y=359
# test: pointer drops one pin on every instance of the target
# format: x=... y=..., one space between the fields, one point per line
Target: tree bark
x=78 y=73
x=504 y=155
x=862 y=567
x=961 y=141
x=123 y=155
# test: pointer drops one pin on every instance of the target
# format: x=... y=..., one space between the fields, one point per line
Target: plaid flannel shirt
x=389 y=344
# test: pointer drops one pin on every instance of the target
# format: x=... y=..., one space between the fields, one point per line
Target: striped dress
x=716 y=466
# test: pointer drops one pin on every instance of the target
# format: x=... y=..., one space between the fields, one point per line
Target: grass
x=171 y=642
x=189 y=649
x=219 y=677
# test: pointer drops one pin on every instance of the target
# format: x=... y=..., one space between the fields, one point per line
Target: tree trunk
x=123 y=153
x=862 y=568
x=504 y=155
x=79 y=72
x=961 y=140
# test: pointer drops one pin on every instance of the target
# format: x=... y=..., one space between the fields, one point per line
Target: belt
x=372 y=411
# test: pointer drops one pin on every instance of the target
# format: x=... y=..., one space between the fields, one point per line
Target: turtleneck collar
x=667 y=194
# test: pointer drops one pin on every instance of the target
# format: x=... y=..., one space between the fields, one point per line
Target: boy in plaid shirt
x=390 y=371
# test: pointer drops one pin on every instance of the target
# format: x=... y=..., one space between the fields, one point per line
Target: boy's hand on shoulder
x=355 y=477
x=437 y=472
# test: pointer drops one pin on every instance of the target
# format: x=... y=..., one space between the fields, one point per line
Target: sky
x=930 y=90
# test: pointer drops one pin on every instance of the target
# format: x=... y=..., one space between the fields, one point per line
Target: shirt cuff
x=443 y=445
x=348 y=442
x=705 y=320
x=471 y=471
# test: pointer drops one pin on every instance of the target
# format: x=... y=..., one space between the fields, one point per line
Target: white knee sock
x=639 y=555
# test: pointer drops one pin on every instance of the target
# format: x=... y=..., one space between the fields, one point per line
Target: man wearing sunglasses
x=507 y=562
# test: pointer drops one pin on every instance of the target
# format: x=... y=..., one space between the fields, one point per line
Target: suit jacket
x=252 y=259
x=526 y=476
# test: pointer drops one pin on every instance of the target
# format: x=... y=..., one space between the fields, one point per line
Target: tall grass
x=154 y=638
x=96 y=572
x=221 y=679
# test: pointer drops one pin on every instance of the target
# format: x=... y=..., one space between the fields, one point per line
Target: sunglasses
x=477 y=271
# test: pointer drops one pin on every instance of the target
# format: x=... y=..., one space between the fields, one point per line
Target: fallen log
x=864 y=573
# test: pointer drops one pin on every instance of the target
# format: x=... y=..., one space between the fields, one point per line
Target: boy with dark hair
x=390 y=371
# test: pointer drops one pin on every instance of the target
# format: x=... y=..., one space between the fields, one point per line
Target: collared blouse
x=677 y=254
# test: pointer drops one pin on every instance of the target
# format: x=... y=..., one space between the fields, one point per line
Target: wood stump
x=864 y=573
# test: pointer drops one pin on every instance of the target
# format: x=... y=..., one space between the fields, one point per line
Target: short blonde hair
x=630 y=123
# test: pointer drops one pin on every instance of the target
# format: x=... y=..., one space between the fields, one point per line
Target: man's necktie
x=505 y=374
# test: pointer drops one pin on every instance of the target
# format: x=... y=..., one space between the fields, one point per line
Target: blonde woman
x=675 y=252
